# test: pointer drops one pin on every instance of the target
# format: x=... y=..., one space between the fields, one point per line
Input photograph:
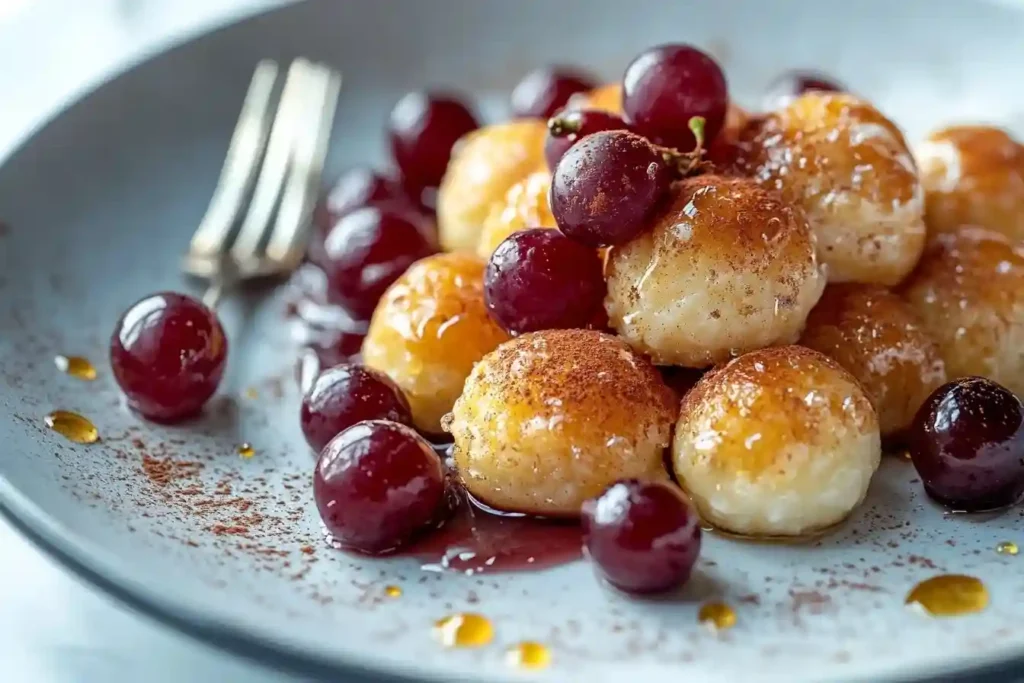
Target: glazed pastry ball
x=526 y=206
x=973 y=175
x=428 y=330
x=607 y=98
x=779 y=442
x=727 y=267
x=484 y=165
x=849 y=168
x=968 y=292
x=552 y=418
x=875 y=336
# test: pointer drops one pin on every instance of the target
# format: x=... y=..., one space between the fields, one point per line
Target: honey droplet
x=528 y=655
x=1007 y=548
x=464 y=630
x=717 y=615
x=246 y=450
x=76 y=366
x=251 y=393
x=72 y=426
x=949 y=595
x=393 y=591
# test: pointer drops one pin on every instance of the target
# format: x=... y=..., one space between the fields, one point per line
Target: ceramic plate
x=99 y=205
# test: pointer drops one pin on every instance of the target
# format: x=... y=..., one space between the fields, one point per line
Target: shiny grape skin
x=377 y=485
x=967 y=444
x=642 y=536
x=666 y=86
x=539 y=279
x=606 y=187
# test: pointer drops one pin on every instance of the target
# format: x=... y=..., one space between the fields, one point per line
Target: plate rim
x=105 y=571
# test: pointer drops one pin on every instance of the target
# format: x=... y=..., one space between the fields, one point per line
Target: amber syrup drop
x=76 y=366
x=72 y=426
x=393 y=591
x=246 y=450
x=1007 y=548
x=717 y=616
x=528 y=655
x=949 y=595
x=464 y=630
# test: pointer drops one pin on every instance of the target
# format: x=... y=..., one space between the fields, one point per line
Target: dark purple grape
x=346 y=394
x=967 y=443
x=168 y=353
x=377 y=484
x=422 y=129
x=567 y=128
x=643 y=536
x=544 y=91
x=606 y=186
x=354 y=189
x=797 y=82
x=540 y=279
x=666 y=86
x=367 y=250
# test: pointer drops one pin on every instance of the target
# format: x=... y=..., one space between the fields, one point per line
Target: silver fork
x=258 y=220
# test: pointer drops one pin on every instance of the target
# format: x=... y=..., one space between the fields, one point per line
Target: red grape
x=544 y=91
x=354 y=189
x=568 y=127
x=367 y=250
x=967 y=443
x=377 y=484
x=346 y=394
x=606 y=186
x=643 y=536
x=666 y=86
x=540 y=279
x=422 y=129
x=168 y=354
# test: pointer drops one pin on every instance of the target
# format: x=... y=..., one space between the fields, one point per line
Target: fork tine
x=238 y=173
x=274 y=170
x=287 y=243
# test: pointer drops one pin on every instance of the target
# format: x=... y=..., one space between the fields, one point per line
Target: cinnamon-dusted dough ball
x=727 y=267
x=849 y=168
x=973 y=175
x=429 y=328
x=779 y=442
x=968 y=292
x=875 y=336
x=552 y=418
x=526 y=206
x=484 y=165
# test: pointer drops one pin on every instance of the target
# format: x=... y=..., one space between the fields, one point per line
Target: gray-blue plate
x=100 y=205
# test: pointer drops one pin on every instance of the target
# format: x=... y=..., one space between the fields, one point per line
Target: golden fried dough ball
x=429 y=328
x=973 y=175
x=526 y=206
x=968 y=292
x=484 y=165
x=607 y=98
x=849 y=168
x=726 y=268
x=552 y=418
x=779 y=442
x=875 y=336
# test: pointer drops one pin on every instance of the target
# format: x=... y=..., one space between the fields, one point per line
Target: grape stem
x=687 y=163
x=563 y=126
